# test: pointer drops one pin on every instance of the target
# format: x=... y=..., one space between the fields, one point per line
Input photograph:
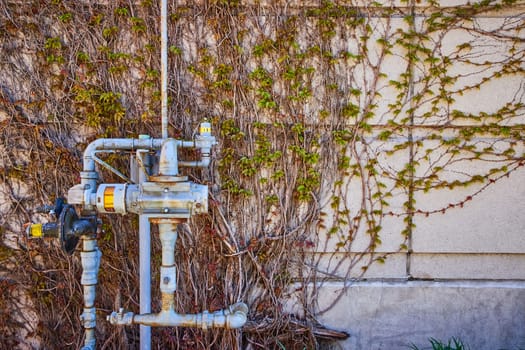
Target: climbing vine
x=334 y=122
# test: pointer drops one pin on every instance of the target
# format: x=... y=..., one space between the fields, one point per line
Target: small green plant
x=452 y=344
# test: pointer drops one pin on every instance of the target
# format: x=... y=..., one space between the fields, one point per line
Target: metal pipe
x=168 y=273
x=168 y=163
x=132 y=144
x=144 y=256
x=164 y=66
x=90 y=258
x=232 y=317
x=145 y=278
x=89 y=176
x=203 y=163
x=116 y=144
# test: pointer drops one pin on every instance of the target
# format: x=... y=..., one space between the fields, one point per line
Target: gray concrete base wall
x=392 y=315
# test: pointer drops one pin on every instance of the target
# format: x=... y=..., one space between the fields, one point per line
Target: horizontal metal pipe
x=232 y=317
x=202 y=163
x=89 y=176
x=117 y=144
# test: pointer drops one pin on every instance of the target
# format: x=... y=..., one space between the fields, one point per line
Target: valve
x=68 y=227
x=52 y=209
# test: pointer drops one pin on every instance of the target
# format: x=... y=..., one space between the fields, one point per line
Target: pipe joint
x=89 y=317
x=120 y=318
x=90 y=265
x=236 y=315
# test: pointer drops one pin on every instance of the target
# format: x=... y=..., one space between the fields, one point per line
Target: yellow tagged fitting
x=109 y=199
x=205 y=129
x=36 y=231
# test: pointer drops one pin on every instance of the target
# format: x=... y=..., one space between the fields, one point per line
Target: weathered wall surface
x=370 y=156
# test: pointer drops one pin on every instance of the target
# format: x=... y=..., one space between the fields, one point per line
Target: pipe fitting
x=168 y=162
x=232 y=317
x=89 y=317
x=120 y=318
x=237 y=315
x=90 y=265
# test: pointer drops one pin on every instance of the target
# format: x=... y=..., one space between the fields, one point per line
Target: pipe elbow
x=237 y=315
x=89 y=151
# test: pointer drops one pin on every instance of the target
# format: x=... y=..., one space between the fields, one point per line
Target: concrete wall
x=393 y=315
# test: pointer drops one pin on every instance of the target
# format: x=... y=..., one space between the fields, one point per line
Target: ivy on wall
x=334 y=120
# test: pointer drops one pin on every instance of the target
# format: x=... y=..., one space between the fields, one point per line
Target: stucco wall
x=464 y=276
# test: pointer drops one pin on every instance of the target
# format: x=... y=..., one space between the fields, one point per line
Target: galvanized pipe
x=168 y=162
x=168 y=272
x=144 y=258
x=117 y=144
x=164 y=66
x=132 y=144
x=145 y=278
x=232 y=317
x=90 y=258
x=202 y=163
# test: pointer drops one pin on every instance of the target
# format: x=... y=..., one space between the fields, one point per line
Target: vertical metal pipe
x=168 y=274
x=168 y=162
x=144 y=260
x=145 y=278
x=90 y=259
x=164 y=66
